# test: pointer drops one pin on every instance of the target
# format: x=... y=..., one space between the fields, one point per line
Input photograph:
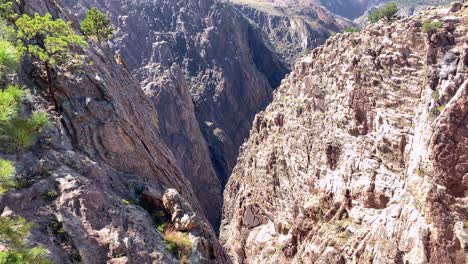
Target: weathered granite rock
x=361 y=156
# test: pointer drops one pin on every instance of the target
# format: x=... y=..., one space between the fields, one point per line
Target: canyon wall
x=361 y=156
x=93 y=182
x=292 y=27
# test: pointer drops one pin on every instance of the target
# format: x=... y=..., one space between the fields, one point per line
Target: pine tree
x=97 y=24
x=50 y=41
x=13 y=235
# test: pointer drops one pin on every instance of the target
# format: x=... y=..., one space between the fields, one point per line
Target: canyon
x=259 y=131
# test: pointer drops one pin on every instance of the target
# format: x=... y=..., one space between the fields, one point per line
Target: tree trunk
x=50 y=86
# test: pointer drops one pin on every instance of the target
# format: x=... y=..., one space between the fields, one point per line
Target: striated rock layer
x=207 y=70
x=94 y=181
x=362 y=155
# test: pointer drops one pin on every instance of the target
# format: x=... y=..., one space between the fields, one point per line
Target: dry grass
x=178 y=243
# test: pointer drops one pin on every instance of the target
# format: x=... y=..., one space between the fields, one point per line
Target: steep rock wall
x=361 y=157
x=84 y=184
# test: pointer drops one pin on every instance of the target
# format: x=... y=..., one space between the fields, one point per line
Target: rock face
x=293 y=27
x=361 y=156
x=84 y=184
x=207 y=70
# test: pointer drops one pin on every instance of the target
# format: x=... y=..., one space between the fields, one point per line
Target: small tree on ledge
x=97 y=24
x=49 y=41
x=388 y=11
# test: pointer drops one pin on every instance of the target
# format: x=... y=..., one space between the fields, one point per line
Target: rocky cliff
x=207 y=70
x=93 y=183
x=361 y=156
x=293 y=27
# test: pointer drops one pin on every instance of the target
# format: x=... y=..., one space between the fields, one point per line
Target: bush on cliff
x=388 y=11
x=97 y=24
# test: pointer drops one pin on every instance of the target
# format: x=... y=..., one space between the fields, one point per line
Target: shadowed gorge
x=241 y=131
x=207 y=72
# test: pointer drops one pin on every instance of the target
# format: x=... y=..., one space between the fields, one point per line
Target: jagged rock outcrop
x=84 y=183
x=361 y=156
x=292 y=27
x=207 y=71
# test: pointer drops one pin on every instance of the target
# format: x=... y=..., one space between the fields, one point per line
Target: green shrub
x=160 y=219
x=10 y=100
x=435 y=96
x=6 y=10
x=177 y=242
x=429 y=26
x=50 y=195
x=13 y=236
x=388 y=11
x=352 y=29
x=171 y=247
x=160 y=227
x=435 y=111
x=97 y=24
x=8 y=58
x=47 y=40
x=7 y=175
x=39 y=120
x=125 y=202
x=19 y=134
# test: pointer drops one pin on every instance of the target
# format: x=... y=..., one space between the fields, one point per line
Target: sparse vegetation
x=125 y=202
x=50 y=195
x=429 y=27
x=13 y=235
x=160 y=220
x=10 y=100
x=352 y=29
x=7 y=175
x=8 y=58
x=435 y=96
x=177 y=243
x=388 y=12
x=6 y=10
x=436 y=110
x=97 y=24
x=19 y=134
x=420 y=171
